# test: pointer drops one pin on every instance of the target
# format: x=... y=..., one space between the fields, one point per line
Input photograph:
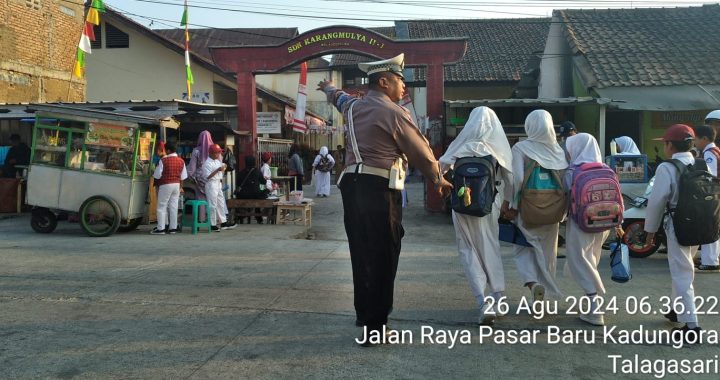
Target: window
x=115 y=38
x=97 y=44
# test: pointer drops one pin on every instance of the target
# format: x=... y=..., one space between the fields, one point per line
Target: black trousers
x=373 y=223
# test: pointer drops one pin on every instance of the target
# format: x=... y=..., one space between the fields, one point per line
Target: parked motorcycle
x=634 y=225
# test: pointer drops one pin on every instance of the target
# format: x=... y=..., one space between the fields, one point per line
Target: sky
x=311 y=14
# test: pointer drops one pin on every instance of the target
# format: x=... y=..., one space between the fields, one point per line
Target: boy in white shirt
x=213 y=170
x=678 y=140
x=704 y=141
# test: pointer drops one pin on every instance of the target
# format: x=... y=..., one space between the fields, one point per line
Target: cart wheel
x=634 y=238
x=43 y=221
x=99 y=216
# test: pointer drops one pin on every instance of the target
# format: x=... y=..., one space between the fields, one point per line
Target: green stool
x=195 y=223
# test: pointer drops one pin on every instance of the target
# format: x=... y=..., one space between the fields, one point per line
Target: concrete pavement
x=264 y=302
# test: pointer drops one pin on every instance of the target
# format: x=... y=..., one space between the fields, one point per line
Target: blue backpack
x=474 y=185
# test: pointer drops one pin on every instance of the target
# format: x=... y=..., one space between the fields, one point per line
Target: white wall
x=147 y=70
x=553 y=63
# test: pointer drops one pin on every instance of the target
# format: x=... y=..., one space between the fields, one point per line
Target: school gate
x=246 y=61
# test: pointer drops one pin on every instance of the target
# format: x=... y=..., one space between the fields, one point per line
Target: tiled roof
x=647 y=47
x=347 y=59
x=498 y=49
x=202 y=39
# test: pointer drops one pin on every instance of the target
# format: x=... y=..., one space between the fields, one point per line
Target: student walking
x=539 y=158
x=704 y=139
x=678 y=140
x=584 y=249
x=322 y=166
x=477 y=237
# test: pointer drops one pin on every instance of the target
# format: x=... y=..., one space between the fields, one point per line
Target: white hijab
x=483 y=135
x=626 y=145
x=541 y=144
x=324 y=151
x=583 y=149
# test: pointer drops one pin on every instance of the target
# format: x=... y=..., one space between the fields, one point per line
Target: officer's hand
x=324 y=83
x=443 y=187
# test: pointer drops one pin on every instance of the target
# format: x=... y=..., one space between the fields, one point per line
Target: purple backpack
x=596 y=201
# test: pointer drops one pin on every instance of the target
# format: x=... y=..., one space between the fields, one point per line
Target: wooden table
x=246 y=208
x=287 y=212
x=285 y=181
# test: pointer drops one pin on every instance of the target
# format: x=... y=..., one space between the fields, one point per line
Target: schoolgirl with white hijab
x=537 y=263
x=584 y=249
x=478 y=237
x=626 y=145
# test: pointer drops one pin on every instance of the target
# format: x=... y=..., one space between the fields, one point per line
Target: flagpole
x=188 y=70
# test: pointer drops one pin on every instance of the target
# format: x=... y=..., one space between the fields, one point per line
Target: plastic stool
x=195 y=223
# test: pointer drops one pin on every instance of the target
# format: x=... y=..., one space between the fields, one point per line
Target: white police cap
x=713 y=115
x=394 y=65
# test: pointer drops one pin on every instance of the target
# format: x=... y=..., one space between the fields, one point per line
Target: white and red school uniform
x=169 y=173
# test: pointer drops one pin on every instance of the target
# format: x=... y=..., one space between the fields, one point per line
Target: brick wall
x=38 y=41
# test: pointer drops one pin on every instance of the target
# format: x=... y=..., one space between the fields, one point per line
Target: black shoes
x=671 y=316
x=690 y=336
x=228 y=226
x=707 y=268
x=215 y=228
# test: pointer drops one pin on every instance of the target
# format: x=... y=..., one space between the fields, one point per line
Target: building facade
x=38 y=42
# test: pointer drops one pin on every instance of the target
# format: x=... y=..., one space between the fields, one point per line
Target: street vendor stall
x=97 y=164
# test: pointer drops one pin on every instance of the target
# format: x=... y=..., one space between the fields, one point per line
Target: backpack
x=474 y=185
x=696 y=217
x=229 y=160
x=324 y=164
x=596 y=202
x=542 y=196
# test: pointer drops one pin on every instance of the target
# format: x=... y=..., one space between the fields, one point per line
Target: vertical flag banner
x=88 y=34
x=188 y=72
x=299 y=124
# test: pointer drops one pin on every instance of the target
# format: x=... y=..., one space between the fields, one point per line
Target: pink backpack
x=596 y=201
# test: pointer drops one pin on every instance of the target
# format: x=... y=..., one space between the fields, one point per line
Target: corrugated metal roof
x=528 y=102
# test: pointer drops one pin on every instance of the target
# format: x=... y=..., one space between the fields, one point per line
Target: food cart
x=92 y=163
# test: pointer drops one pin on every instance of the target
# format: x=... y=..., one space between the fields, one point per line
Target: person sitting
x=19 y=154
x=252 y=185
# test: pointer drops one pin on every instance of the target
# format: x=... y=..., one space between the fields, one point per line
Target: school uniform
x=537 y=263
x=169 y=174
x=680 y=258
x=710 y=252
x=478 y=237
x=213 y=191
x=584 y=249
x=322 y=179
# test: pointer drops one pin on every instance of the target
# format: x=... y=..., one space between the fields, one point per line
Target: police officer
x=384 y=131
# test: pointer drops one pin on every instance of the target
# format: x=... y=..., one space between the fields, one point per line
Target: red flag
x=90 y=31
x=299 y=124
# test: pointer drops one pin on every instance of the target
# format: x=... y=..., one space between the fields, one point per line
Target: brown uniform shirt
x=384 y=131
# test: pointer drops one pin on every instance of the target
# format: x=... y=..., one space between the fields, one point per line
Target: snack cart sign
x=109 y=135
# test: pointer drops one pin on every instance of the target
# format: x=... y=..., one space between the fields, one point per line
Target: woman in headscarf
x=584 y=248
x=626 y=145
x=322 y=166
x=537 y=263
x=199 y=154
x=477 y=237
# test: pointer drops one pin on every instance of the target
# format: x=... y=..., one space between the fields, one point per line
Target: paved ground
x=263 y=302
